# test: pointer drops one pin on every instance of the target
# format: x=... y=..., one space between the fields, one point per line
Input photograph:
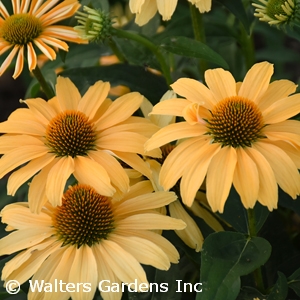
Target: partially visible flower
x=121 y=16
x=69 y=134
x=146 y=9
x=275 y=12
x=232 y=133
x=32 y=24
x=88 y=239
x=95 y=25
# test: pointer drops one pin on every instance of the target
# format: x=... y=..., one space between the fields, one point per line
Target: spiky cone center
x=84 y=218
x=277 y=7
x=93 y=25
x=70 y=133
x=20 y=29
x=165 y=151
x=235 y=122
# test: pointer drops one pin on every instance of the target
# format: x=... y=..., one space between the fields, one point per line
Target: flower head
x=276 y=12
x=88 y=239
x=94 y=25
x=233 y=133
x=146 y=9
x=32 y=24
x=84 y=136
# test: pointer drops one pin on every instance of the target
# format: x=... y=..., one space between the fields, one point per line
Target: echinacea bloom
x=232 y=133
x=32 y=23
x=146 y=9
x=275 y=12
x=89 y=239
x=84 y=136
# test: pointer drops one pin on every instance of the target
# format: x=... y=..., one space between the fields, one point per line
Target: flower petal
x=219 y=177
x=67 y=94
x=194 y=91
x=166 y=8
x=57 y=178
x=256 y=81
x=246 y=179
x=90 y=172
x=221 y=83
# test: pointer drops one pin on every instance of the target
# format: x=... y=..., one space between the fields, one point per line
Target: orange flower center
x=70 y=134
x=236 y=122
x=20 y=29
x=84 y=218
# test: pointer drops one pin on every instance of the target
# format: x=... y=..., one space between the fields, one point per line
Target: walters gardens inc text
x=13 y=286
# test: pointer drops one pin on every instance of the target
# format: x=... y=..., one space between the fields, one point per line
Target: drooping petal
x=22 y=175
x=92 y=173
x=147 y=12
x=219 y=177
x=191 y=235
x=268 y=190
x=19 y=63
x=286 y=173
x=57 y=178
x=84 y=269
x=166 y=8
x=8 y=59
x=123 y=264
x=193 y=176
x=246 y=179
x=31 y=57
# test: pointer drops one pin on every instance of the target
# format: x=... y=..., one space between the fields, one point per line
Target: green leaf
x=249 y=293
x=135 y=77
x=225 y=257
x=294 y=282
x=236 y=214
x=280 y=289
x=237 y=8
x=287 y=201
x=191 y=48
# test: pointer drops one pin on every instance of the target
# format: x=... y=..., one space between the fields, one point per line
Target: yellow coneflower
x=69 y=134
x=32 y=24
x=90 y=238
x=232 y=133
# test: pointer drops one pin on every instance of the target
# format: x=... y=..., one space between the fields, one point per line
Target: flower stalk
x=44 y=85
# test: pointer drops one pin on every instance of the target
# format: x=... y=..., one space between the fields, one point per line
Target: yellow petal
x=170 y=107
x=93 y=98
x=57 y=178
x=146 y=13
x=245 y=179
x=286 y=173
x=221 y=83
x=121 y=109
x=166 y=8
x=194 y=91
x=174 y=132
x=84 y=269
x=123 y=264
x=19 y=63
x=90 y=172
x=26 y=172
x=194 y=174
x=282 y=109
x=191 y=235
x=143 y=250
x=256 y=81
x=19 y=156
x=219 y=177
x=277 y=90
x=268 y=190
x=67 y=94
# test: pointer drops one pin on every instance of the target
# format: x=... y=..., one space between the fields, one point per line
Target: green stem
x=199 y=34
x=116 y=50
x=247 y=46
x=152 y=47
x=44 y=85
x=257 y=274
